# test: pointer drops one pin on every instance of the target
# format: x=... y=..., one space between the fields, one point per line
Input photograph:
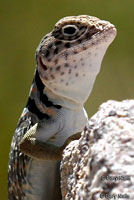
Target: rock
x=100 y=165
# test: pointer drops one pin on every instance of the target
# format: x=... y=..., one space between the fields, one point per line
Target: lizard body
x=68 y=60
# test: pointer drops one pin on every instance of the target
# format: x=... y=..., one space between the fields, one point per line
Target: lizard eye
x=69 y=30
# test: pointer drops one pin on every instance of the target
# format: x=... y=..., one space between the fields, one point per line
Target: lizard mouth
x=103 y=32
x=108 y=31
x=105 y=36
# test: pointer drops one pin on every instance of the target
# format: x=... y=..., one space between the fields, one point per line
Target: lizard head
x=69 y=57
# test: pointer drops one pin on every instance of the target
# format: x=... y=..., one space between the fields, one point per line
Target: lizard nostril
x=42 y=64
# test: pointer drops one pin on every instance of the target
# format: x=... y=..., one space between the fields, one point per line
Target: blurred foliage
x=23 y=24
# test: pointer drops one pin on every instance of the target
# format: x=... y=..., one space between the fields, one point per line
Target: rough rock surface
x=100 y=165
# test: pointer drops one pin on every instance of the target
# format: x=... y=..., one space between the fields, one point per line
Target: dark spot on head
x=62 y=80
x=89 y=53
x=51 y=69
x=81 y=59
x=60 y=37
x=65 y=55
x=80 y=40
x=45 y=37
x=83 y=64
x=58 y=67
x=56 y=51
x=69 y=71
x=62 y=73
x=58 y=42
x=67 y=83
x=84 y=48
x=47 y=53
x=84 y=74
x=74 y=60
x=75 y=52
x=56 y=61
x=66 y=65
x=67 y=45
x=88 y=35
x=57 y=34
x=50 y=46
x=52 y=76
x=75 y=66
x=76 y=74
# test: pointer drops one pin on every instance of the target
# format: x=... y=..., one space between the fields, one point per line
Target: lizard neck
x=42 y=101
x=62 y=101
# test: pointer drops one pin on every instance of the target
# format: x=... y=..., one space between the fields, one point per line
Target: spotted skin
x=68 y=60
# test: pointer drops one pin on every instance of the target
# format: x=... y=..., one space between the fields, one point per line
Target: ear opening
x=41 y=63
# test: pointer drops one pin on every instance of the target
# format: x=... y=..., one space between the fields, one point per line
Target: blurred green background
x=23 y=24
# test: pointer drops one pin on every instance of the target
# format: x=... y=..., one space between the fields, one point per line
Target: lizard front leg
x=37 y=149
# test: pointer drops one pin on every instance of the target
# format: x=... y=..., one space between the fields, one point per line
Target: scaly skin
x=68 y=61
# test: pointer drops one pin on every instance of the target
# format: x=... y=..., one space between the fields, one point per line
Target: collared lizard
x=68 y=60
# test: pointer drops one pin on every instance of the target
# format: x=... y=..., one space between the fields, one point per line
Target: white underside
x=41 y=177
x=65 y=124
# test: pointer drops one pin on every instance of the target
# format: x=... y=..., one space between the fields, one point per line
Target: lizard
x=68 y=60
